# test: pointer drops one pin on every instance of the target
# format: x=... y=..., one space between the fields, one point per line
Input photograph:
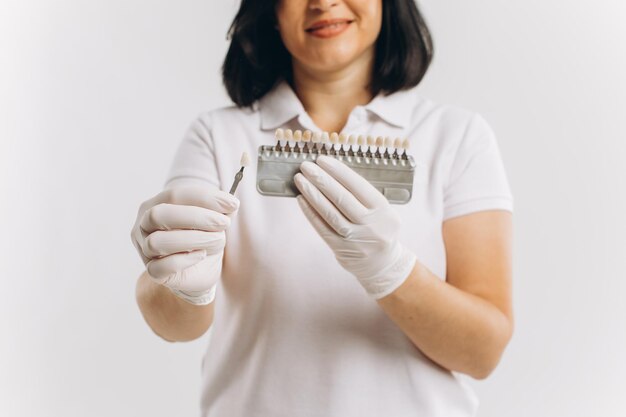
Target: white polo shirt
x=294 y=334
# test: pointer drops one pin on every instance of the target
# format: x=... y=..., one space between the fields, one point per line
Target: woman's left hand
x=357 y=222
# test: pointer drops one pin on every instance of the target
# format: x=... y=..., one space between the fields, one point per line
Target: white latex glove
x=179 y=234
x=357 y=222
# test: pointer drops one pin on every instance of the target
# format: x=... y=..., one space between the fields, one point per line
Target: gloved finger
x=206 y=197
x=320 y=226
x=323 y=206
x=355 y=183
x=163 y=243
x=166 y=216
x=343 y=199
x=190 y=272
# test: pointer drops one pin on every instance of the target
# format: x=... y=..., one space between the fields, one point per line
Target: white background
x=96 y=95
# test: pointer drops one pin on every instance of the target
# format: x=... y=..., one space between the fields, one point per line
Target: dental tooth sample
x=244 y=162
x=405 y=146
x=306 y=138
x=316 y=139
x=279 y=135
x=397 y=144
x=297 y=137
x=325 y=140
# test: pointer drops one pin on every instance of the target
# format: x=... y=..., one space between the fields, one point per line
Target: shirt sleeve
x=477 y=179
x=194 y=161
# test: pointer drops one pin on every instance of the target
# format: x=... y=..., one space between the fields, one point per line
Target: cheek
x=371 y=12
x=289 y=17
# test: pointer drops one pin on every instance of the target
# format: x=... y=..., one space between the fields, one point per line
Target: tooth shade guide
x=374 y=152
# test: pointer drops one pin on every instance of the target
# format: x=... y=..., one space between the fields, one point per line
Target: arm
x=465 y=323
x=169 y=316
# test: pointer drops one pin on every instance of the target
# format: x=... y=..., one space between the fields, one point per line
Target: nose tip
x=322 y=5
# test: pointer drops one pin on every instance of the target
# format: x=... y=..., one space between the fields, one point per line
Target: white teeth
x=280 y=134
x=377 y=144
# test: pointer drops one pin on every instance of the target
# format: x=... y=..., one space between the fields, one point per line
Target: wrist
x=199 y=298
x=393 y=276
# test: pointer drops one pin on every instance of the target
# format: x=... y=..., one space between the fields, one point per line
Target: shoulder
x=448 y=123
x=207 y=125
x=225 y=114
x=445 y=116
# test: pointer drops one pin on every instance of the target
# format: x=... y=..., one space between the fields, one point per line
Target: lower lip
x=329 y=31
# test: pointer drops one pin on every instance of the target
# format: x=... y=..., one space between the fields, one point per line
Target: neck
x=329 y=97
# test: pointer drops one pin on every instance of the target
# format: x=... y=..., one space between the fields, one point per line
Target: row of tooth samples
x=326 y=143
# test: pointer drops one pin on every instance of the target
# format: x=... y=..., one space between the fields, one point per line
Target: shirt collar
x=396 y=108
x=281 y=104
x=278 y=106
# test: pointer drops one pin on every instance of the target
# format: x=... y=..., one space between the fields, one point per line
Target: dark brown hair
x=257 y=58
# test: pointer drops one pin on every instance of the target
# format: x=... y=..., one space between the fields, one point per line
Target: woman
x=335 y=303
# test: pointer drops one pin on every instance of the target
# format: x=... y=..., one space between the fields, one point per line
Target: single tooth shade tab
x=317 y=137
x=288 y=134
x=352 y=140
x=245 y=159
x=334 y=138
x=397 y=143
x=306 y=136
x=297 y=135
x=343 y=139
x=371 y=141
x=405 y=143
x=280 y=134
x=380 y=141
x=360 y=140
x=325 y=137
x=388 y=142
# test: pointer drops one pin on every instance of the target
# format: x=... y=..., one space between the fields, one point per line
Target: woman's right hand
x=179 y=234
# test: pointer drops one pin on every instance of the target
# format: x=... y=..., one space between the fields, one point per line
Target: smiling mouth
x=328 y=28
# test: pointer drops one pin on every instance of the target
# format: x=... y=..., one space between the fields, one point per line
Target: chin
x=331 y=59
